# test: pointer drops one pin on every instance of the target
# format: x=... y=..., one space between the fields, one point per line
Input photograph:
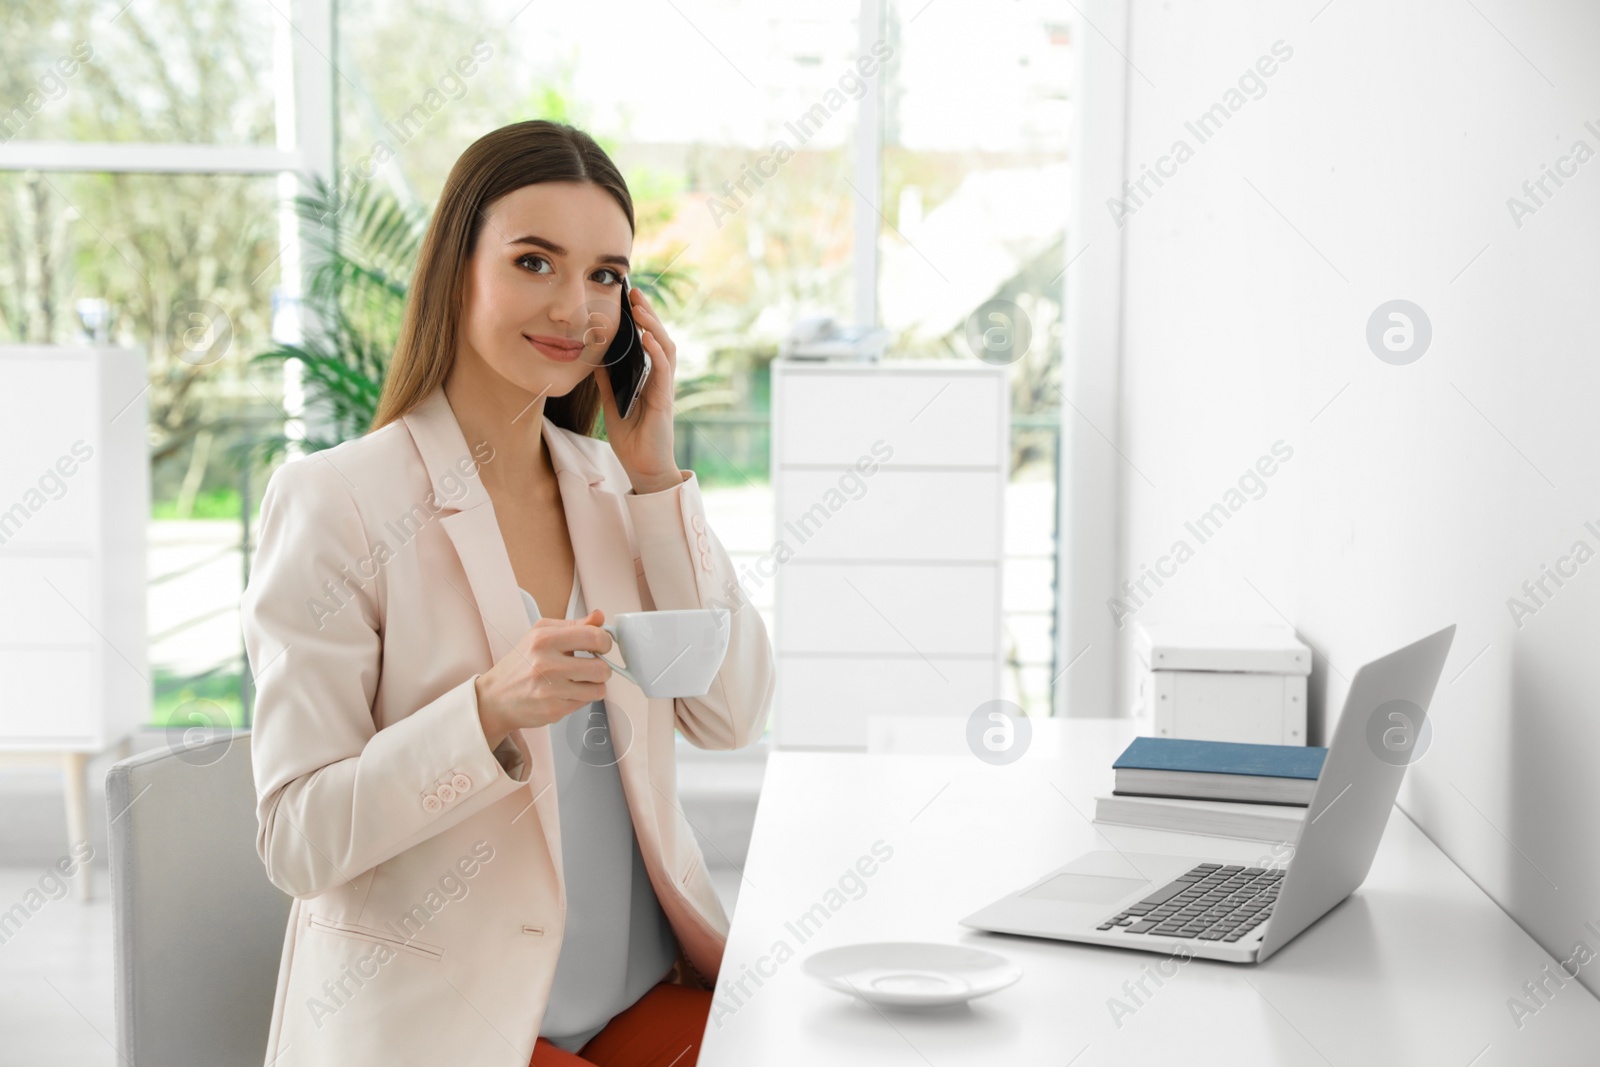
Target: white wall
x=1377 y=165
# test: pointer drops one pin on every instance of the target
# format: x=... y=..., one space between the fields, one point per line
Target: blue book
x=1218 y=770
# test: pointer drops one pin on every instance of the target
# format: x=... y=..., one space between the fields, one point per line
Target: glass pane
x=972 y=255
x=153 y=70
x=756 y=236
x=183 y=268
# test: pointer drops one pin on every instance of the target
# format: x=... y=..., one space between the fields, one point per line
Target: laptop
x=1192 y=905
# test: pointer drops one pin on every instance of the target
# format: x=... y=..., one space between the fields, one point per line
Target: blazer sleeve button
x=461 y=783
x=705 y=560
x=698 y=523
x=446 y=792
x=431 y=803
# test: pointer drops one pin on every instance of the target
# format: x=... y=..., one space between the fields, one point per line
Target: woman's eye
x=524 y=261
x=614 y=277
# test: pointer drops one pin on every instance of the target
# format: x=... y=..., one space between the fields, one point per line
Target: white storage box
x=1223 y=683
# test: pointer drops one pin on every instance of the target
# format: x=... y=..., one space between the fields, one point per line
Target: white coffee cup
x=671 y=653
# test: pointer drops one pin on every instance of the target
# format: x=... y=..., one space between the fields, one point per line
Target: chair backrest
x=199 y=928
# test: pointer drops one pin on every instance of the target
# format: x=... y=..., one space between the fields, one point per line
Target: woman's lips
x=556 y=348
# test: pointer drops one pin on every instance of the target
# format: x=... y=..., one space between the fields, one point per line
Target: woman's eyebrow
x=551 y=246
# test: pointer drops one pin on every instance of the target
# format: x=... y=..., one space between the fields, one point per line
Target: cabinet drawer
x=49 y=495
x=890 y=608
x=48 y=694
x=910 y=515
x=920 y=418
x=824 y=701
x=37 y=614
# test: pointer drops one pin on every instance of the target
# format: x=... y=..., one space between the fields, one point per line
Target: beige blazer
x=426 y=869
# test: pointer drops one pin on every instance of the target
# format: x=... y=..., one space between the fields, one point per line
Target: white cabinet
x=74 y=502
x=889 y=482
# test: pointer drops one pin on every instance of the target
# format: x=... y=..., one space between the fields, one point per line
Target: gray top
x=617 y=943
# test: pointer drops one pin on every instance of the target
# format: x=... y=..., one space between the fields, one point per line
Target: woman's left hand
x=643 y=441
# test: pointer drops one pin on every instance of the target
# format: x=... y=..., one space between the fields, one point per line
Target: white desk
x=1413 y=969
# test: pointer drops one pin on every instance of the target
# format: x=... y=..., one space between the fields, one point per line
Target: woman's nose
x=568 y=304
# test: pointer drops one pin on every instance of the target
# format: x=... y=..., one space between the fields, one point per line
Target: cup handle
x=611 y=629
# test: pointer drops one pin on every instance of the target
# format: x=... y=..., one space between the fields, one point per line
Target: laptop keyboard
x=1211 y=903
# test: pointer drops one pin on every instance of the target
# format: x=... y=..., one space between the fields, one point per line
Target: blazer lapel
x=597 y=527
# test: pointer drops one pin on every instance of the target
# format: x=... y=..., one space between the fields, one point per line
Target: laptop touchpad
x=1085 y=888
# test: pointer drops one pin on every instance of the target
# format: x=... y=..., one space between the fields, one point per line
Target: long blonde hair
x=524 y=153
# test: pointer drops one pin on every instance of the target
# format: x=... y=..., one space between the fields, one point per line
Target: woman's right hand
x=540 y=681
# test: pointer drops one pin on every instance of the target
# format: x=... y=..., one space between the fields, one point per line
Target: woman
x=477 y=820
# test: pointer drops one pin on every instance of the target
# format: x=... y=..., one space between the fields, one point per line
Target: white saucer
x=911 y=974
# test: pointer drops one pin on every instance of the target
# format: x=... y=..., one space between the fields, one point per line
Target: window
x=148 y=164
x=142 y=164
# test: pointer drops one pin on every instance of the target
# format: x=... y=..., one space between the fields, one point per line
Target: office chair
x=199 y=929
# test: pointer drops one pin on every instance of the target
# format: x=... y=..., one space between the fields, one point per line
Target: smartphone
x=626 y=361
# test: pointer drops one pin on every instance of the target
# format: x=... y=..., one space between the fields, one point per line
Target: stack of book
x=1224 y=788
